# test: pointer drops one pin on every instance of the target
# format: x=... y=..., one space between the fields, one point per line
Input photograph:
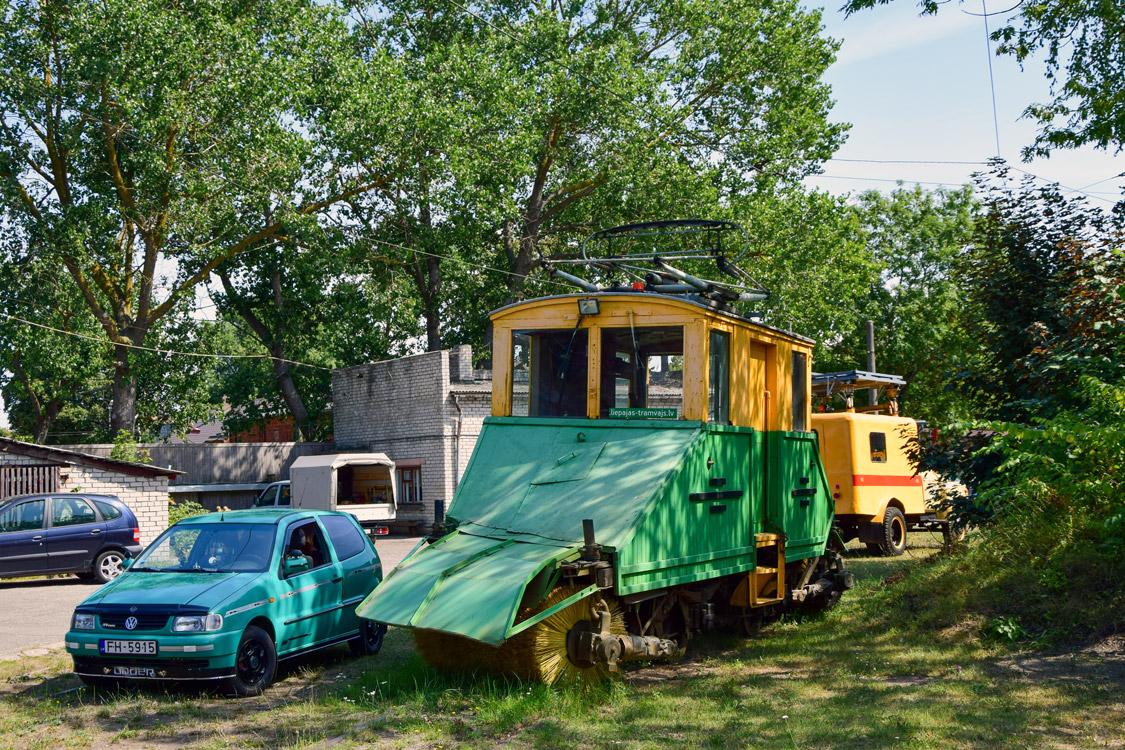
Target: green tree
x=42 y=371
x=1042 y=284
x=915 y=237
x=322 y=302
x=538 y=123
x=1083 y=44
x=142 y=143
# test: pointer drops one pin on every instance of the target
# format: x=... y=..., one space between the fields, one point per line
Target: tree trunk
x=293 y=399
x=431 y=298
x=44 y=419
x=123 y=411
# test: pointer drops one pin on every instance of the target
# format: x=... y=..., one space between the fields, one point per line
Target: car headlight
x=197 y=623
x=83 y=622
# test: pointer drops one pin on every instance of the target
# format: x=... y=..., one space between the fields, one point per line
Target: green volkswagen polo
x=222 y=597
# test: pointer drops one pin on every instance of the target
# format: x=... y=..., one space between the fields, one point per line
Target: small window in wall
x=718 y=380
x=549 y=373
x=642 y=372
x=409 y=485
x=800 y=392
x=879 y=447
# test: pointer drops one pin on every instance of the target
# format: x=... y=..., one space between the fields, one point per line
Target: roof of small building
x=60 y=455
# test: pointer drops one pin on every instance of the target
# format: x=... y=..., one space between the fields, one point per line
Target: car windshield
x=210 y=548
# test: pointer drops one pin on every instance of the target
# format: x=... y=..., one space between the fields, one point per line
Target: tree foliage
x=1083 y=46
x=312 y=306
x=145 y=143
x=915 y=237
x=1042 y=284
x=534 y=124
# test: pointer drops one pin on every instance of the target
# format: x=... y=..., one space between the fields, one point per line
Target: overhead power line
x=156 y=350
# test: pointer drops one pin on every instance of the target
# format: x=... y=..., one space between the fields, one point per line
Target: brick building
x=27 y=468
x=425 y=412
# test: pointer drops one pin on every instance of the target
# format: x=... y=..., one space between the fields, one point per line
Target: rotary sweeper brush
x=647 y=473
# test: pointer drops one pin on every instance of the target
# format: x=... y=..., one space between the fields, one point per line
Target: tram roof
x=689 y=299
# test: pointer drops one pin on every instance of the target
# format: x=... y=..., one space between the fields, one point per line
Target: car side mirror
x=295 y=565
x=126 y=564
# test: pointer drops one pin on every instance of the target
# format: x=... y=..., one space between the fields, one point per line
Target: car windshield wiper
x=146 y=569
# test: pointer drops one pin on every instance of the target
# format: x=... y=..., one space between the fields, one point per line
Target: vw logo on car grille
x=130 y=623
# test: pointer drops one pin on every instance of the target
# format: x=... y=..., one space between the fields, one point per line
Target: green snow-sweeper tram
x=648 y=472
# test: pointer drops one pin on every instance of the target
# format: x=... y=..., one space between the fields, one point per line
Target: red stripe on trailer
x=883 y=480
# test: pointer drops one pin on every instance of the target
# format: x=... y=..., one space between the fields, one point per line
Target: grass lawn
x=855 y=677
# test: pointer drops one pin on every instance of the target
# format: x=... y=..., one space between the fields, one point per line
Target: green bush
x=1047 y=562
x=178 y=511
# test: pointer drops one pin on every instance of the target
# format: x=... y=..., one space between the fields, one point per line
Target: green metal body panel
x=676 y=502
x=799 y=501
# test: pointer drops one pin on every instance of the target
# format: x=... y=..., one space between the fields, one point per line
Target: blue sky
x=917 y=89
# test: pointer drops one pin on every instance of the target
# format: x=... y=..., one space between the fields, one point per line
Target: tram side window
x=800 y=392
x=549 y=373
x=642 y=368
x=718 y=387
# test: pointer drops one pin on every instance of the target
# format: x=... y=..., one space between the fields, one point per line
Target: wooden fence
x=28 y=479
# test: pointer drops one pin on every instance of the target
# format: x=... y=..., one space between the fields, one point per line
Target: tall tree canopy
x=915 y=238
x=535 y=123
x=1042 y=284
x=1082 y=43
x=143 y=144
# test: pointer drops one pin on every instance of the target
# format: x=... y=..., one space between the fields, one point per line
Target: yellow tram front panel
x=765 y=363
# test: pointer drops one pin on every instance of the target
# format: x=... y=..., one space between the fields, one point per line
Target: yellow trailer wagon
x=878 y=492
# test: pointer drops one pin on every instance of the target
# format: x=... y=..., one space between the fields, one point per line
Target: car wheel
x=255 y=664
x=893 y=539
x=107 y=565
x=370 y=638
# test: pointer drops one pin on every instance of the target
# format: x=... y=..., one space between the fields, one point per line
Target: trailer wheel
x=892 y=541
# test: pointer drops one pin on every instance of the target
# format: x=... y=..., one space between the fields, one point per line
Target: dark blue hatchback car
x=88 y=535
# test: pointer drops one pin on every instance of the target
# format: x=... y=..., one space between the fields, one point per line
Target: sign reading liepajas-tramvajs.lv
x=641 y=413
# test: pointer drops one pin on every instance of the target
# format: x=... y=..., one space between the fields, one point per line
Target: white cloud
x=883 y=31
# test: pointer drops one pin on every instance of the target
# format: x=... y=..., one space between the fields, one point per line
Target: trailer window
x=718 y=381
x=549 y=373
x=879 y=447
x=642 y=372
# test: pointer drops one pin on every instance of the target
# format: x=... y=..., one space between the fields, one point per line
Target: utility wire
x=101 y=340
x=991 y=79
x=906 y=161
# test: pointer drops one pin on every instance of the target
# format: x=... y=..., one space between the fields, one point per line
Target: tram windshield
x=642 y=372
x=549 y=373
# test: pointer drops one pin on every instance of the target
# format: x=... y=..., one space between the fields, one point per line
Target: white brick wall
x=147 y=498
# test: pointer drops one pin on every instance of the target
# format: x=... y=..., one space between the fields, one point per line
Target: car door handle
x=38 y=538
x=338 y=579
x=95 y=531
